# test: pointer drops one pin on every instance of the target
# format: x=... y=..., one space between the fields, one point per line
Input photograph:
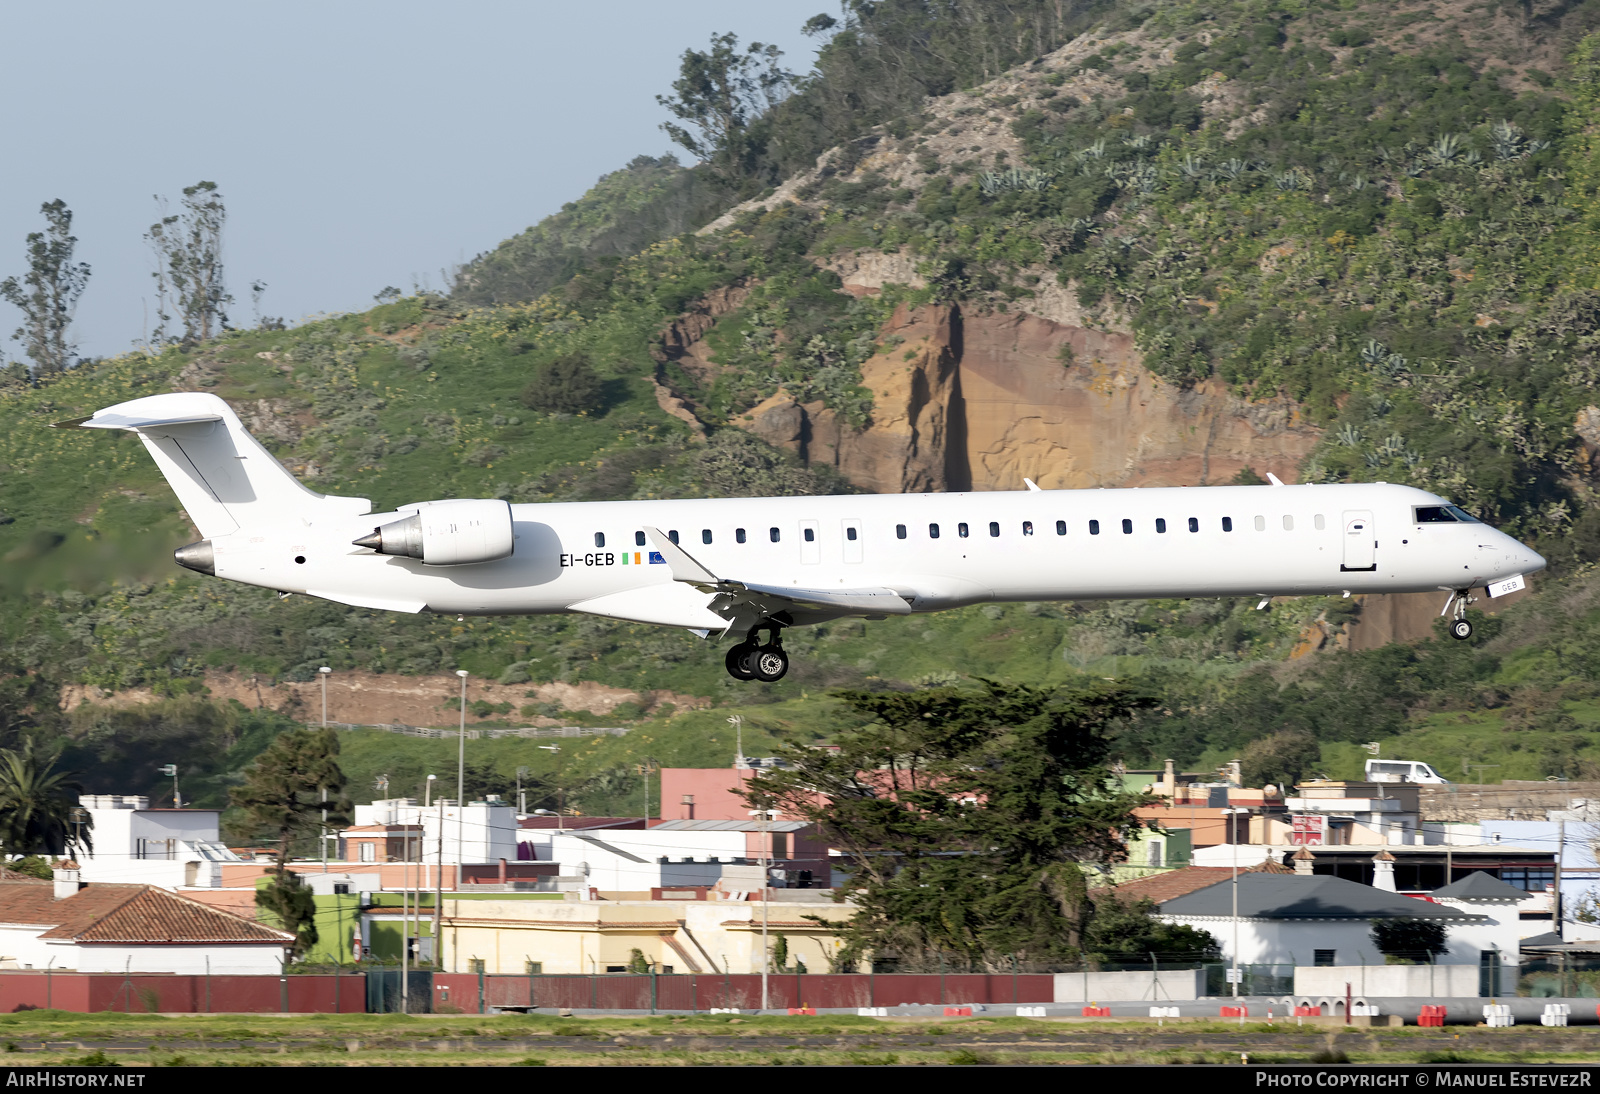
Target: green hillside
x=1387 y=213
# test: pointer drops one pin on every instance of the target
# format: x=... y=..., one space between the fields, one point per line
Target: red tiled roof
x=1171 y=884
x=127 y=914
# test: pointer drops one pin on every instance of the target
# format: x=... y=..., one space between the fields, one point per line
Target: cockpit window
x=1462 y=515
x=1435 y=514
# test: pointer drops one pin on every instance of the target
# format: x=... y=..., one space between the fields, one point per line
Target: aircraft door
x=1360 y=544
x=810 y=545
x=852 y=540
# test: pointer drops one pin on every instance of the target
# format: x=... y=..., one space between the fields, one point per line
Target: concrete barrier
x=1385 y=981
x=1130 y=987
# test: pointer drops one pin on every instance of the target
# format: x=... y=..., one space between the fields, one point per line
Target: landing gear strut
x=750 y=660
x=1460 y=628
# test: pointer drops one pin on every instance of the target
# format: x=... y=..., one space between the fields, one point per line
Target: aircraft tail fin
x=223 y=476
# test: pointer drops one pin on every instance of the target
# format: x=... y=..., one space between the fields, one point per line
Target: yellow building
x=597 y=936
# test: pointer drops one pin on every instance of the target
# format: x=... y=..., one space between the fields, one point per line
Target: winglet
x=679 y=561
x=1273 y=479
x=1032 y=486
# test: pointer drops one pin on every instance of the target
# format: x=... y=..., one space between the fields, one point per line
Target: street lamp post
x=461 y=780
x=1233 y=820
x=427 y=796
x=323 y=672
x=766 y=879
x=561 y=788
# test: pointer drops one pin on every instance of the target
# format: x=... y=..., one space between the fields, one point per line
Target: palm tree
x=36 y=801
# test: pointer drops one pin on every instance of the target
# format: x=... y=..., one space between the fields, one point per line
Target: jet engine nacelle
x=447 y=533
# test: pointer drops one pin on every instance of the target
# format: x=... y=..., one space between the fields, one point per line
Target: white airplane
x=738 y=567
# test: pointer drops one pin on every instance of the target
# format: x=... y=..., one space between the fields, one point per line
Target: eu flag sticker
x=655 y=557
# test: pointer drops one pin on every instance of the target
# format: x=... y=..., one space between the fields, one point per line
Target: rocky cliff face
x=980 y=401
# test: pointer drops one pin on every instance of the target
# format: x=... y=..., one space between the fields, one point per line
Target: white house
x=136 y=844
x=139 y=928
x=1501 y=906
x=479 y=832
x=1317 y=919
x=635 y=860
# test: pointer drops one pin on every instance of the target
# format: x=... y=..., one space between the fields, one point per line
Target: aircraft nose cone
x=1534 y=562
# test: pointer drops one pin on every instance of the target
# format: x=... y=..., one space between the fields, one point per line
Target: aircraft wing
x=734 y=595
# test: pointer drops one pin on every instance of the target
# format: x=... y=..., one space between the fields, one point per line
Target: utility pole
x=766 y=880
x=438 y=899
x=323 y=672
x=1233 y=818
x=177 y=798
x=522 y=795
x=1561 y=851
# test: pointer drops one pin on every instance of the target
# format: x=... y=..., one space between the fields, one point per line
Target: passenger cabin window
x=899 y=531
x=673 y=535
x=1288 y=523
x=994 y=528
x=638 y=539
x=933 y=531
x=1194 y=524
x=1161 y=524
x=1027 y=527
x=774 y=535
x=850 y=533
x=810 y=535
x=1061 y=527
x=1319 y=522
x=1227 y=524
x=599 y=539
x=1094 y=528
x=705 y=535
x=1127 y=526
x=961 y=529
x=1261 y=524
x=738 y=535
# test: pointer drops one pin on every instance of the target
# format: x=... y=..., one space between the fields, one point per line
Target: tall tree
x=967 y=818
x=719 y=93
x=47 y=295
x=295 y=789
x=189 y=273
x=36 y=801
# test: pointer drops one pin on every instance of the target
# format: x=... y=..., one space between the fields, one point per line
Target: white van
x=1402 y=771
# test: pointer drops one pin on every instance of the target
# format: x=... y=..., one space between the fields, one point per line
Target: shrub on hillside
x=566 y=385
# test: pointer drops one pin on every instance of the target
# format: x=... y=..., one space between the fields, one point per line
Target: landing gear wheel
x=1460 y=629
x=769 y=664
x=738 y=662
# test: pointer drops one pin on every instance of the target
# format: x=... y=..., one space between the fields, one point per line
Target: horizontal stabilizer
x=110 y=419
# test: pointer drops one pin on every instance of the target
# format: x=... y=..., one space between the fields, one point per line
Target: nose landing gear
x=752 y=661
x=1460 y=628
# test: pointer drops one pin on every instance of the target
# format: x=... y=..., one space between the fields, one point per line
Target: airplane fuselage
x=938 y=551
x=740 y=566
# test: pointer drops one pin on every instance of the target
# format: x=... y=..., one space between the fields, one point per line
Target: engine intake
x=447 y=533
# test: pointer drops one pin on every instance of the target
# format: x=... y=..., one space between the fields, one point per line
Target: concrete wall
x=1121 y=987
x=1381 y=981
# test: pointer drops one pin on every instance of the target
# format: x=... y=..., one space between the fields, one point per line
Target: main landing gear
x=1460 y=628
x=752 y=661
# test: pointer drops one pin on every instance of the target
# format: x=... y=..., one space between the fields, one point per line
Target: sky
x=357 y=144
